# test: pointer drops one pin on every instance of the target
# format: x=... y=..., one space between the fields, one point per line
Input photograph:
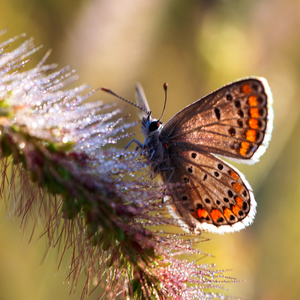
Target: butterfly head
x=150 y=125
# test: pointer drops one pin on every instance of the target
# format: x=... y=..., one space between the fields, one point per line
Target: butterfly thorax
x=155 y=150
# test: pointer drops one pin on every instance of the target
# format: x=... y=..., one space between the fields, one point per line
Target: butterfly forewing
x=234 y=121
x=141 y=100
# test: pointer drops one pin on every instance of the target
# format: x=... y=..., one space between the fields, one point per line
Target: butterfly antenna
x=118 y=96
x=165 y=86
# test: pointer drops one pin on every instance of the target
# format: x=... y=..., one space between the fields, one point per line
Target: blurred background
x=195 y=46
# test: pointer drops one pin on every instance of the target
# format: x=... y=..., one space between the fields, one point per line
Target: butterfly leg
x=152 y=154
x=139 y=144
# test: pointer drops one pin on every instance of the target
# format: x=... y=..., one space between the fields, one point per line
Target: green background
x=195 y=46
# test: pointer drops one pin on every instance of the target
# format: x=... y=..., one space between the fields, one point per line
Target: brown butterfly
x=235 y=122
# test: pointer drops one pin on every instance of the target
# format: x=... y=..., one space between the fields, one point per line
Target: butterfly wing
x=213 y=192
x=141 y=100
x=235 y=121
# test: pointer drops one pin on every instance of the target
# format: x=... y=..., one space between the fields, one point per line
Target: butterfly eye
x=154 y=125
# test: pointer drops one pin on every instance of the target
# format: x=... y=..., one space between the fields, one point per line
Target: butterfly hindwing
x=234 y=121
x=213 y=193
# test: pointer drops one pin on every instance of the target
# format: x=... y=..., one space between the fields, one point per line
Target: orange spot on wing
x=251 y=135
x=215 y=214
x=237 y=187
x=252 y=101
x=202 y=213
x=246 y=89
x=227 y=213
x=235 y=210
x=254 y=113
x=244 y=148
x=234 y=175
x=166 y=145
x=253 y=123
x=239 y=201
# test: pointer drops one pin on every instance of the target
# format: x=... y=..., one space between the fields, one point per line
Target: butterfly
x=234 y=122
